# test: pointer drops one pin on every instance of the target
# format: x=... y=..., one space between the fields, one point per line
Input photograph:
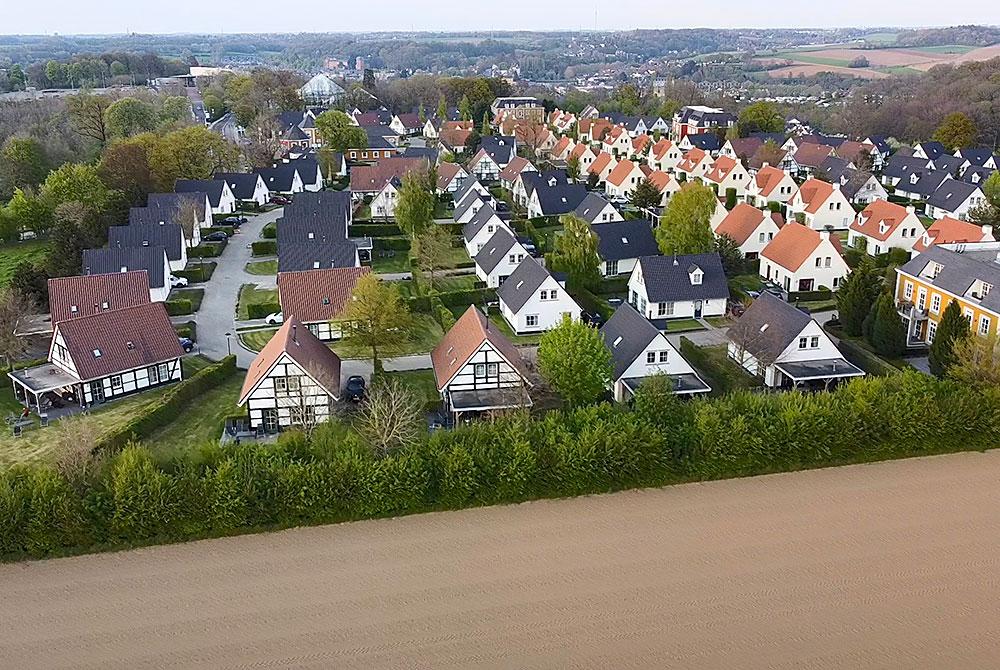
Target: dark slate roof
x=881 y=143
x=377 y=135
x=705 y=141
x=328 y=202
x=666 y=277
x=781 y=324
x=467 y=185
x=948 y=163
x=556 y=195
x=151 y=216
x=518 y=288
x=856 y=179
x=176 y=201
x=983 y=173
x=927 y=183
x=280 y=177
x=103 y=261
x=625 y=239
x=170 y=236
x=833 y=168
x=321 y=227
x=290 y=119
x=900 y=166
x=819 y=138
x=242 y=184
x=977 y=157
x=951 y=194
x=635 y=331
x=478 y=221
x=933 y=149
x=590 y=207
x=212 y=187
x=304 y=255
x=959 y=271
x=495 y=249
x=295 y=134
x=469 y=203
x=421 y=152
x=777 y=138
x=308 y=168
x=499 y=147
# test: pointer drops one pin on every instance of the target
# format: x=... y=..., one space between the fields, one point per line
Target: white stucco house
x=802 y=259
x=883 y=225
x=532 y=300
x=499 y=258
x=662 y=288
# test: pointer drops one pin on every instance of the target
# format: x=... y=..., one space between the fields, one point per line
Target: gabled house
x=453 y=140
x=294 y=381
x=282 y=178
x=728 y=173
x=317 y=255
x=480 y=229
x=929 y=150
x=246 y=186
x=383 y=205
x=770 y=184
x=317 y=297
x=699 y=119
x=678 y=287
x=954 y=198
x=585 y=157
x=153 y=260
x=665 y=184
x=554 y=195
x=620 y=245
x=532 y=300
x=407 y=124
x=220 y=196
x=560 y=151
x=623 y=180
x=752 y=229
x=309 y=171
x=602 y=166
x=495 y=153
x=592 y=130
x=168 y=236
x=976 y=158
x=470 y=188
x=157 y=216
x=882 y=226
x=695 y=164
x=192 y=210
x=617 y=142
x=861 y=188
x=802 y=259
x=787 y=347
x=664 y=156
x=370 y=179
x=809 y=157
x=510 y=173
x=943 y=231
x=103 y=356
x=87 y=295
x=450 y=177
x=595 y=209
x=707 y=142
x=820 y=205
x=639 y=351
x=498 y=258
x=477 y=369
x=741 y=148
x=640 y=146
x=470 y=206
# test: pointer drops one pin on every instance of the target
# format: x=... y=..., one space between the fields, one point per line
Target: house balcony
x=908 y=310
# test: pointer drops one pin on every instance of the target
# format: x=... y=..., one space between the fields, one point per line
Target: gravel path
x=890 y=565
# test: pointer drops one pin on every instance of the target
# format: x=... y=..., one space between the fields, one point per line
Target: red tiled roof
x=691 y=160
x=308 y=352
x=868 y=221
x=794 y=243
x=720 y=169
x=317 y=295
x=127 y=339
x=516 y=166
x=89 y=293
x=454 y=137
x=468 y=334
x=812 y=155
x=621 y=172
x=640 y=143
x=661 y=180
x=949 y=231
x=373 y=178
x=447 y=172
x=742 y=221
x=602 y=161
x=768 y=178
x=814 y=193
x=661 y=148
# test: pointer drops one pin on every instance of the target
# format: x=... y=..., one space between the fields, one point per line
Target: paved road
x=882 y=566
x=226 y=126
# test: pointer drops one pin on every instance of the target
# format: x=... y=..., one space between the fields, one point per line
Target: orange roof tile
x=741 y=223
x=602 y=161
x=869 y=221
x=793 y=245
x=814 y=193
x=621 y=172
x=721 y=169
x=949 y=231
x=768 y=178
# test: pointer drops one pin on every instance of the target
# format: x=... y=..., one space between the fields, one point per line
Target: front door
x=697 y=309
x=97 y=391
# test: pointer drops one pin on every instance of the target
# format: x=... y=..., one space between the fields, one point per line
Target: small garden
x=256 y=303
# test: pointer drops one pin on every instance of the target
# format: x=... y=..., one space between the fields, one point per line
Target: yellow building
x=929 y=282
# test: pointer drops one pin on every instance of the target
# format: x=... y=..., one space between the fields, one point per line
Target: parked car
x=234 y=221
x=592 y=319
x=274 y=319
x=615 y=302
x=355 y=389
x=280 y=200
x=187 y=344
x=217 y=236
x=177 y=282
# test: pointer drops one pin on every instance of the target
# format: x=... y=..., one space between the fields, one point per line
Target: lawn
x=457 y=256
x=804 y=57
x=719 y=321
x=250 y=294
x=818 y=305
x=504 y=327
x=683 y=325
x=256 y=339
x=443 y=210
x=200 y=423
x=422 y=382
x=717 y=369
x=743 y=283
x=195 y=295
x=425 y=335
x=443 y=284
x=199 y=272
x=262 y=267
x=12 y=255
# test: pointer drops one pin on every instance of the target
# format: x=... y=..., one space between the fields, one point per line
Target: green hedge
x=375 y=230
x=264 y=248
x=194 y=272
x=810 y=295
x=474 y=296
x=170 y=405
x=260 y=310
x=333 y=475
x=207 y=250
x=391 y=243
x=269 y=231
x=179 y=306
x=228 y=230
x=188 y=329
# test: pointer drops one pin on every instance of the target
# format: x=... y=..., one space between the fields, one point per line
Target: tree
x=646 y=195
x=957 y=131
x=465 y=109
x=859 y=61
x=16 y=78
x=75 y=182
x=472 y=142
x=760 y=117
x=988 y=212
x=261 y=148
x=29 y=212
x=573 y=167
x=731 y=254
x=368 y=80
x=376 y=319
x=575 y=253
x=22 y=164
x=174 y=109
x=14 y=307
x=977 y=361
x=124 y=167
x=415 y=204
x=886 y=333
x=390 y=415
x=194 y=152
x=593 y=179
x=685 y=225
x=128 y=117
x=67 y=239
x=485 y=128
x=432 y=249
x=952 y=328
x=86 y=111
x=32 y=281
x=574 y=361
x=442 y=110
x=337 y=131
x=857 y=295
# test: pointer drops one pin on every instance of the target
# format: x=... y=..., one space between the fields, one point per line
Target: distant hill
x=972 y=36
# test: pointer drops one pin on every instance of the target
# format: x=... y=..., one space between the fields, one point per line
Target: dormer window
x=97 y=353
x=124 y=269
x=696 y=277
x=130 y=345
x=104 y=305
x=315 y=265
x=73 y=309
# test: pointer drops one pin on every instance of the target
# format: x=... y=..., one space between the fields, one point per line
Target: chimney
x=910 y=209
x=987 y=231
x=825 y=234
x=765 y=164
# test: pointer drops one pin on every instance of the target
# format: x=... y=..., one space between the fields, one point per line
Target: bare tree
x=302 y=394
x=390 y=416
x=263 y=146
x=432 y=250
x=14 y=307
x=77 y=459
x=752 y=339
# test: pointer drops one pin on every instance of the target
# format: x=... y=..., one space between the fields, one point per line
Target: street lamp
x=229 y=347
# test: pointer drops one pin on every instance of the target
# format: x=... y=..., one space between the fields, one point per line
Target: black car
x=592 y=319
x=235 y=221
x=355 y=390
x=217 y=236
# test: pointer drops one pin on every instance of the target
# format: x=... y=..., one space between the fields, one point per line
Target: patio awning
x=43 y=378
x=488 y=399
x=828 y=368
x=684 y=384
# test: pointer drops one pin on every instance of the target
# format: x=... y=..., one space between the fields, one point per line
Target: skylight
x=97 y=353
x=618 y=340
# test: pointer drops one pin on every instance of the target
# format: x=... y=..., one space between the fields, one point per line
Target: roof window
x=97 y=353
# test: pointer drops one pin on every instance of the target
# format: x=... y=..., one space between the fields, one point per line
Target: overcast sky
x=230 y=16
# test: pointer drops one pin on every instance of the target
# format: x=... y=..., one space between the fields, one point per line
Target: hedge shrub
x=269 y=231
x=207 y=250
x=260 y=310
x=264 y=248
x=375 y=230
x=333 y=476
x=197 y=272
x=188 y=329
x=179 y=306
x=393 y=243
